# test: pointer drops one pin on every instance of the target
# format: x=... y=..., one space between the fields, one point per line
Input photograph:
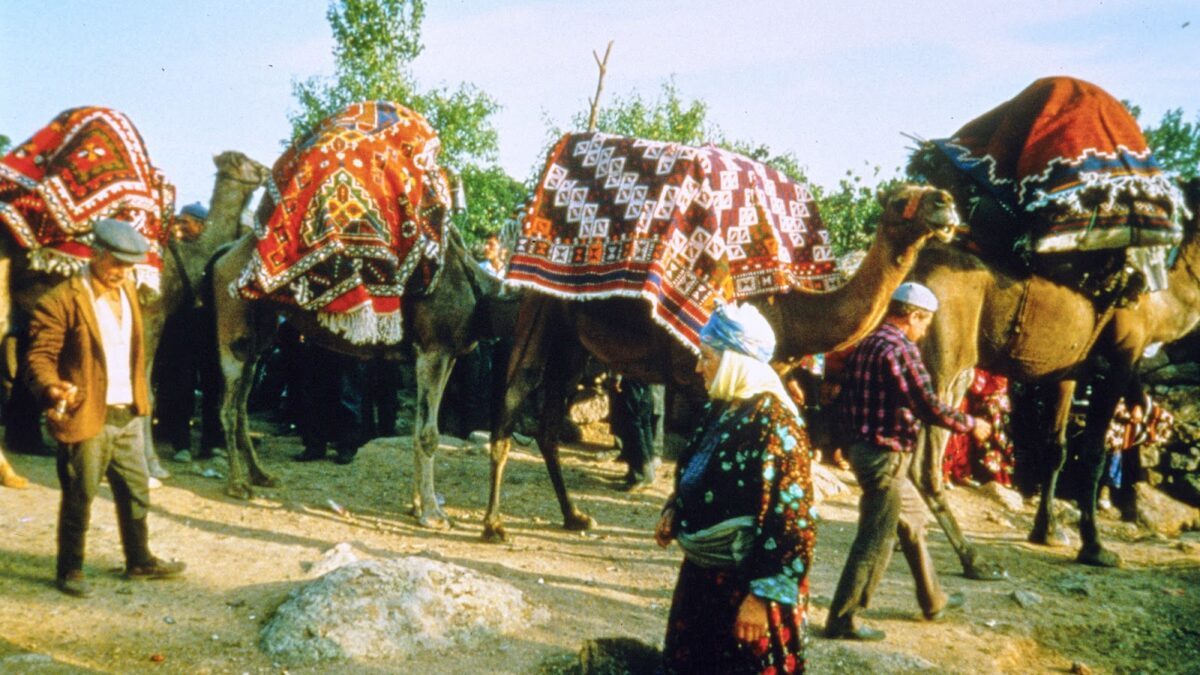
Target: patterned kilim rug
x=679 y=226
x=87 y=164
x=352 y=221
x=1071 y=155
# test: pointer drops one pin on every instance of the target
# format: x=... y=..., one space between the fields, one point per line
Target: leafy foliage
x=375 y=42
x=1176 y=143
x=5 y=144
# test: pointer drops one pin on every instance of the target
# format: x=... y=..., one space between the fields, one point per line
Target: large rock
x=391 y=609
x=1163 y=514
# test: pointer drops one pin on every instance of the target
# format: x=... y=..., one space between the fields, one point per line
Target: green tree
x=375 y=42
x=5 y=144
x=1176 y=143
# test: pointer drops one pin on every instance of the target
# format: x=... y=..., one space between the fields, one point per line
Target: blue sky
x=836 y=83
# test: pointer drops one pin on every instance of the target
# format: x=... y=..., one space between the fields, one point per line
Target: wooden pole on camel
x=602 y=64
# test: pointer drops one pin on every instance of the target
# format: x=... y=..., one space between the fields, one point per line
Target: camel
x=439 y=326
x=553 y=335
x=237 y=178
x=1037 y=331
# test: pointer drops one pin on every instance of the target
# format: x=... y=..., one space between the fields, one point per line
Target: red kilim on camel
x=352 y=221
x=679 y=226
x=1069 y=154
x=87 y=164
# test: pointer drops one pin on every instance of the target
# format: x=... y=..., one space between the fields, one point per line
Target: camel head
x=236 y=166
x=913 y=213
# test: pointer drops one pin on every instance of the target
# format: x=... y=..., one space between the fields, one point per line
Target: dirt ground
x=244 y=557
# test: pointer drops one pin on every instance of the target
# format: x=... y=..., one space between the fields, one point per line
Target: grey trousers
x=891 y=507
x=116 y=452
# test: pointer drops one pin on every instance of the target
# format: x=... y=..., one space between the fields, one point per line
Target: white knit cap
x=912 y=293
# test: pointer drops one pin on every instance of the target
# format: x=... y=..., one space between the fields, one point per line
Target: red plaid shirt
x=887 y=393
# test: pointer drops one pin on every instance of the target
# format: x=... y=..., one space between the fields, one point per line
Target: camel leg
x=529 y=363
x=237 y=374
x=1101 y=408
x=563 y=374
x=433 y=370
x=240 y=341
x=928 y=467
x=525 y=366
x=1047 y=409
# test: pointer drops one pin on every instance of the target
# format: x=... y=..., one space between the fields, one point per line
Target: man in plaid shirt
x=885 y=397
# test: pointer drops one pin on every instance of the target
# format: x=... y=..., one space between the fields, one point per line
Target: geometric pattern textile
x=352 y=220
x=88 y=163
x=679 y=226
x=1069 y=154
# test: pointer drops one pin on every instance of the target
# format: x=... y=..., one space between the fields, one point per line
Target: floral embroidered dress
x=966 y=459
x=745 y=519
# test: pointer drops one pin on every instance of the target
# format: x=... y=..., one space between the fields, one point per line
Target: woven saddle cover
x=89 y=163
x=1061 y=167
x=352 y=221
x=679 y=226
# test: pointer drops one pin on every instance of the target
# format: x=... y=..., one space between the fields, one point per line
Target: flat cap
x=195 y=210
x=121 y=239
x=912 y=293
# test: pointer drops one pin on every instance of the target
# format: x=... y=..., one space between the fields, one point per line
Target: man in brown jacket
x=86 y=364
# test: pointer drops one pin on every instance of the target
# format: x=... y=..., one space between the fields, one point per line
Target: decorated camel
x=627 y=245
x=90 y=163
x=1004 y=316
x=356 y=247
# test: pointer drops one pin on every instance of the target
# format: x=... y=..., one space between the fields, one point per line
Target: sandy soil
x=244 y=557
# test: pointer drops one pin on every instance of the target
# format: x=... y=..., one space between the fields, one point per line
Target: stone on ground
x=1159 y=512
x=391 y=609
x=1010 y=498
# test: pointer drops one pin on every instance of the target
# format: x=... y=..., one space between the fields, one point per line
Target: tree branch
x=603 y=66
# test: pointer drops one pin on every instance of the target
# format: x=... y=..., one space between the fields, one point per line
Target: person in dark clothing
x=381 y=397
x=886 y=395
x=332 y=404
x=186 y=362
x=632 y=418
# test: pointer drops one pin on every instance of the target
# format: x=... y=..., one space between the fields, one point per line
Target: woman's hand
x=664 y=532
x=751 y=623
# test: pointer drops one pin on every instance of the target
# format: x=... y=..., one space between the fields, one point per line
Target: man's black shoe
x=862 y=633
x=310 y=455
x=955 y=601
x=74 y=584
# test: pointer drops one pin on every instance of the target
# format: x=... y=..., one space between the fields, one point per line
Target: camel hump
x=1061 y=168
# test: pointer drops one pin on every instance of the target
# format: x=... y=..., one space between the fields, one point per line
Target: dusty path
x=244 y=557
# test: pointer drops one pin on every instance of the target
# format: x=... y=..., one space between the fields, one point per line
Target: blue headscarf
x=740 y=328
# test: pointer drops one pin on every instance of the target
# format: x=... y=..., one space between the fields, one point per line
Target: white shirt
x=117 y=339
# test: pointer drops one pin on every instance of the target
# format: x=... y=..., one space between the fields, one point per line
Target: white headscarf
x=746 y=342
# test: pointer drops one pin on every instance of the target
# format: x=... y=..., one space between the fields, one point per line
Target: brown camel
x=439 y=326
x=1039 y=332
x=237 y=178
x=553 y=336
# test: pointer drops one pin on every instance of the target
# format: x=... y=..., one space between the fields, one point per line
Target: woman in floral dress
x=743 y=513
x=966 y=460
